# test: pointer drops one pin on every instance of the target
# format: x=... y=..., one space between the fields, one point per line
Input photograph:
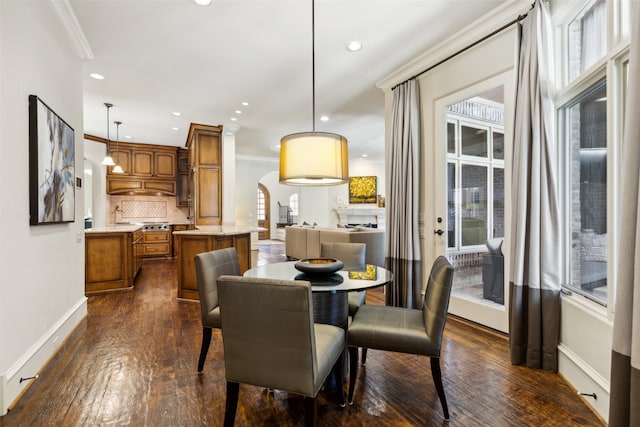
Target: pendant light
x=117 y=168
x=108 y=160
x=313 y=158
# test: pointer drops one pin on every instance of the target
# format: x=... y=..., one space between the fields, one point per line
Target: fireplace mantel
x=362 y=215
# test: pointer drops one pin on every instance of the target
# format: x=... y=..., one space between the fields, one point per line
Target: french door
x=467 y=107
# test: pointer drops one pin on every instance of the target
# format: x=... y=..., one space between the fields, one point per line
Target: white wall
x=94 y=152
x=42 y=266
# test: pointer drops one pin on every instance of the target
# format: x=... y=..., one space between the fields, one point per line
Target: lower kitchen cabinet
x=191 y=244
x=112 y=260
x=156 y=243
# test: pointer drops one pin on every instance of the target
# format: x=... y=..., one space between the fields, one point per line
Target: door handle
x=439 y=231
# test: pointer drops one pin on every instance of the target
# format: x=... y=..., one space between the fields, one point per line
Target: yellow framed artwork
x=362 y=189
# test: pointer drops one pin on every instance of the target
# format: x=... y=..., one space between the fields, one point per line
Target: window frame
x=611 y=67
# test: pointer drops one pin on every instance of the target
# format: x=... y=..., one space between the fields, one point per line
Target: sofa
x=304 y=241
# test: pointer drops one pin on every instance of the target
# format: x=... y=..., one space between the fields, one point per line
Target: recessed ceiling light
x=238 y=112
x=278 y=146
x=365 y=155
x=245 y=103
x=233 y=119
x=176 y=113
x=354 y=46
x=324 y=118
x=203 y=2
x=175 y=128
x=97 y=76
x=128 y=136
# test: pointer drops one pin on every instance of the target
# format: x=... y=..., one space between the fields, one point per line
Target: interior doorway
x=264 y=212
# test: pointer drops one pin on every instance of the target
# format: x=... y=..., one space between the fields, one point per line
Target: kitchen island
x=113 y=256
x=208 y=238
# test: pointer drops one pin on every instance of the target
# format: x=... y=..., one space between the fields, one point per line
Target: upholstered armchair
x=209 y=266
x=406 y=330
x=270 y=340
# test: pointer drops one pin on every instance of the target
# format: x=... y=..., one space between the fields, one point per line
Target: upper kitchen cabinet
x=122 y=157
x=149 y=169
x=205 y=158
x=154 y=163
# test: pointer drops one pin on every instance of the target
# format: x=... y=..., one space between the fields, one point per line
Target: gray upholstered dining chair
x=209 y=266
x=405 y=330
x=353 y=256
x=270 y=340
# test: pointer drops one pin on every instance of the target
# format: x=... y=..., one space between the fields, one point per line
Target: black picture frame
x=51 y=166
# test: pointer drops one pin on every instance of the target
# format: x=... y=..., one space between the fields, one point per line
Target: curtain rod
x=464 y=49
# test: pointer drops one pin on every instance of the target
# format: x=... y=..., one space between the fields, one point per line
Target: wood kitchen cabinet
x=148 y=169
x=112 y=259
x=205 y=158
x=156 y=243
x=191 y=244
x=154 y=163
x=123 y=158
x=175 y=244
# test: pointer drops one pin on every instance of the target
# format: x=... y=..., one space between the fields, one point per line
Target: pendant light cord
x=313 y=64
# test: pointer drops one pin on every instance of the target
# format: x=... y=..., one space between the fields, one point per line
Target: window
x=475 y=174
x=587 y=37
x=585 y=155
x=262 y=213
x=590 y=124
x=293 y=205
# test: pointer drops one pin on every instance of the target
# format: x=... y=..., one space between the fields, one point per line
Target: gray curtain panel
x=403 y=240
x=534 y=303
x=624 y=403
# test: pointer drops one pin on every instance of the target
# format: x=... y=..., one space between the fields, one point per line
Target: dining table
x=329 y=291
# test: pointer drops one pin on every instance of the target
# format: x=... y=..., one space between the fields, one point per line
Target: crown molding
x=67 y=18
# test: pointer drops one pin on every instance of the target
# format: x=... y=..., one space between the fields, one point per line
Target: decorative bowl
x=319 y=265
x=332 y=279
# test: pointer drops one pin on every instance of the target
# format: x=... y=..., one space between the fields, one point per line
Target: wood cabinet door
x=164 y=165
x=142 y=163
x=209 y=195
x=208 y=149
x=122 y=157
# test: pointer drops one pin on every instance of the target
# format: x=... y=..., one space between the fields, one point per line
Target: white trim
x=584 y=367
x=36 y=358
x=67 y=18
x=584 y=379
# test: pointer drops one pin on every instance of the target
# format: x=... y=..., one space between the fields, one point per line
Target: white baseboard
x=584 y=379
x=34 y=360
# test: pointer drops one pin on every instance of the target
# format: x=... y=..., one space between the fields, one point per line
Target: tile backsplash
x=144 y=208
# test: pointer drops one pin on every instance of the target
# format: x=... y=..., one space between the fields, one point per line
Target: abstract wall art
x=362 y=189
x=51 y=166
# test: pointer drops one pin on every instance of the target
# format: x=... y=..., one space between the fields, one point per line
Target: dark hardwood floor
x=132 y=362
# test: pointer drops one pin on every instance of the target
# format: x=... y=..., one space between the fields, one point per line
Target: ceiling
x=165 y=56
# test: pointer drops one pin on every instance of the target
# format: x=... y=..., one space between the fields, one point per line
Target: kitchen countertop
x=115 y=228
x=219 y=230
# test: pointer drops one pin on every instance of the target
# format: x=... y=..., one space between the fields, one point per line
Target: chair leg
x=364 y=356
x=339 y=378
x=353 y=371
x=312 y=412
x=206 y=342
x=437 y=380
x=231 y=404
